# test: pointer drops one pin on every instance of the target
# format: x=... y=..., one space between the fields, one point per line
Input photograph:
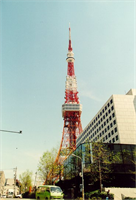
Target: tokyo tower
x=71 y=109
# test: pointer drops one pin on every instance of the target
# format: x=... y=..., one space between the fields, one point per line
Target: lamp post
x=11 y=131
x=82 y=173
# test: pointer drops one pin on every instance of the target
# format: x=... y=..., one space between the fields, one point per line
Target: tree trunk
x=100 y=176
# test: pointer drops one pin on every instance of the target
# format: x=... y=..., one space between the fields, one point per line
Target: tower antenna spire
x=70 y=44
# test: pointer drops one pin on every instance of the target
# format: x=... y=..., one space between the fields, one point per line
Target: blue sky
x=34 y=37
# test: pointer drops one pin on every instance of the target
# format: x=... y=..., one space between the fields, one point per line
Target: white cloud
x=89 y=94
x=86 y=92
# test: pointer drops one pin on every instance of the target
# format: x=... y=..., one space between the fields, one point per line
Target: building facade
x=10 y=187
x=122 y=169
x=114 y=123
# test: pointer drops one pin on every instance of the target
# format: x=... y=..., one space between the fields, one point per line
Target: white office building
x=114 y=123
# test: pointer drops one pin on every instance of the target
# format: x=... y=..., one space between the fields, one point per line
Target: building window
x=113 y=140
x=113 y=114
x=117 y=137
x=109 y=111
x=105 y=107
x=108 y=127
x=110 y=141
x=106 y=114
x=115 y=129
x=112 y=108
x=107 y=120
x=103 y=116
x=108 y=104
x=112 y=132
x=114 y=122
x=109 y=134
x=104 y=123
x=110 y=118
x=111 y=125
x=105 y=130
x=106 y=137
x=111 y=101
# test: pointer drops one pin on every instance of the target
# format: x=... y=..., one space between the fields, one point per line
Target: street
x=14 y=199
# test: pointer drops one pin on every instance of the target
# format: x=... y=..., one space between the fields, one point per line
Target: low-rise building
x=10 y=187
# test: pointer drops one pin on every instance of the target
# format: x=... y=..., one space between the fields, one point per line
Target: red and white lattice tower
x=71 y=109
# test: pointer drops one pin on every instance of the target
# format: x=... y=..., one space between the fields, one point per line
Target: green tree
x=102 y=159
x=133 y=161
x=26 y=180
x=47 y=167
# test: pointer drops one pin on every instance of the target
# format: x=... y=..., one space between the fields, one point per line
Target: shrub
x=93 y=198
x=98 y=195
x=29 y=195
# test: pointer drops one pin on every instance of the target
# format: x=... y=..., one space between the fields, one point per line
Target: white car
x=3 y=196
x=19 y=196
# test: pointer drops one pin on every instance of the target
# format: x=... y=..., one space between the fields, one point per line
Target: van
x=49 y=192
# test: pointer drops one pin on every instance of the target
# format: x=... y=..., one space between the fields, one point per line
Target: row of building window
x=100 y=127
x=104 y=109
x=102 y=118
x=106 y=137
x=103 y=132
x=97 y=137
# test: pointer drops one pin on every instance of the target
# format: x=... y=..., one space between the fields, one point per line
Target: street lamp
x=11 y=131
x=82 y=173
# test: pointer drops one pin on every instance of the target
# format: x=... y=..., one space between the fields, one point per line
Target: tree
x=26 y=180
x=102 y=159
x=47 y=166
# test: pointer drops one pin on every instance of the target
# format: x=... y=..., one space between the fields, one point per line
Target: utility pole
x=82 y=169
x=15 y=176
x=35 y=179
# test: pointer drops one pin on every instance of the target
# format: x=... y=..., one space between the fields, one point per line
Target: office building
x=114 y=123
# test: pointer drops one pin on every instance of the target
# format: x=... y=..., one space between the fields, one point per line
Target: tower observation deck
x=71 y=109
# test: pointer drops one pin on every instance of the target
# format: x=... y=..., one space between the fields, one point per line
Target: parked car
x=19 y=196
x=3 y=196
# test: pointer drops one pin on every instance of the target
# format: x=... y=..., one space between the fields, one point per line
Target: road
x=14 y=199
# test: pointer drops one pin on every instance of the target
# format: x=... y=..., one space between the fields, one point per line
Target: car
x=19 y=196
x=3 y=196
